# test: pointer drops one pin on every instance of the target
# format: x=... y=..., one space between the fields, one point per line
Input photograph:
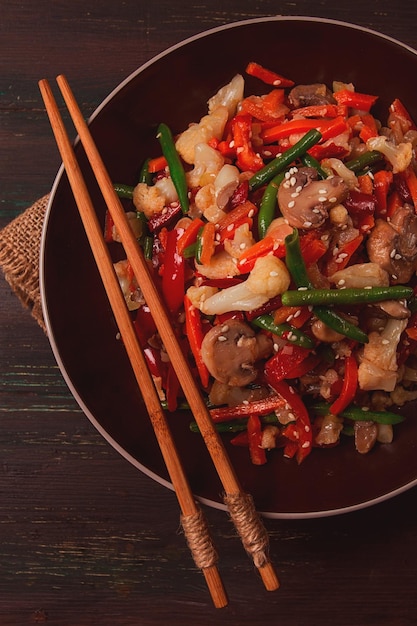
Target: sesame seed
x=394 y=276
x=307 y=428
x=341 y=282
x=277 y=82
x=245 y=402
x=306 y=444
x=273 y=273
x=218 y=237
x=295 y=194
x=267 y=153
x=230 y=227
x=242 y=246
x=225 y=328
x=333 y=199
x=302 y=288
x=365 y=408
x=287 y=175
x=393 y=253
x=164 y=211
x=299 y=188
x=323 y=191
x=289 y=318
x=291 y=416
x=385 y=342
x=251 y=213
x=222 y=338
x=297 y=313
x=322 y=199
x=307 y=224
x=293 y=181
x=397 y=257
x=239 y=150
x=232 y=144
x=291 y=204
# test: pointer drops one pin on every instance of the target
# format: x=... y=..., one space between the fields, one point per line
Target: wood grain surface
x=86 y=539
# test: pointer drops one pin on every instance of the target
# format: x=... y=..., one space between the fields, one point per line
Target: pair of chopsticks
x=240 y=505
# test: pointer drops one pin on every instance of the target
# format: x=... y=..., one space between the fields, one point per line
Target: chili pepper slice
x=349 y=387
x=343 y=256
x=267 y=76
x=189 y=236
x=175 y=165
x=399 y=111
x=205 y=243
x=247 y=158
x=157 y=164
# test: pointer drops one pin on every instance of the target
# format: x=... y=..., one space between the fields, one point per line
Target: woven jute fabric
x=19 y=256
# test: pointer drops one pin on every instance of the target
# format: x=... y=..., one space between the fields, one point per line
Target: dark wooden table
x=85 y=539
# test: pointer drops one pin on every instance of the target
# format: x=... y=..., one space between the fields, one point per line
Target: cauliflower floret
x=209 y=126
x=229 y=96
x=205 y=202
x=207 y=164
x=378 y=367
x=151 y=200
x=361 y=275
x=148 y=200
x=398 y=156
x=268 y=279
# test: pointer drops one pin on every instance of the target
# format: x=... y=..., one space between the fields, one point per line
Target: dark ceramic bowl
x=174 y=87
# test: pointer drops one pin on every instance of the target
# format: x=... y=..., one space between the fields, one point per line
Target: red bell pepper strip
x=195 y=335
x=189 y=236
x=328 y=128
x=241 y=439
x=382 y=184
x=256 y=407
x=267 y=76
x=278 y=366
x=304 y=367
x=302 y=425
x=328 y=150
x=355 y=100
x=227 y=225
x=349 y=387
x=257 y=453
x=173 y=273
x=259 y=249
x=247 y=158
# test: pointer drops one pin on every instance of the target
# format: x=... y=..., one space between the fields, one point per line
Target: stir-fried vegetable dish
x=281 y=229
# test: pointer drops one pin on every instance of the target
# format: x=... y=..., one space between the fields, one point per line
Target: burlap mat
x=19 y=256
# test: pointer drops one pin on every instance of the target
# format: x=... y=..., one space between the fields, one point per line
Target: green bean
x=294 y=335
x=313 y=297
x=296 y=266
x=269 y=204
x=310 y=161
x=123 y=191
x=175 y=166
x=285 y=159
x=359 y=414
x=364 y=160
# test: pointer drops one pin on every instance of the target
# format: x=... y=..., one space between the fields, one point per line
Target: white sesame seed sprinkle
x=291 y=204
x=322 y=199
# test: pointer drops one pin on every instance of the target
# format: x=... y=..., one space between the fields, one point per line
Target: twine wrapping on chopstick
x=247 y=523
x=198 y=539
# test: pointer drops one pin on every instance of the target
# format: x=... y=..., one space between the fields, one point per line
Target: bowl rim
x=42 y=279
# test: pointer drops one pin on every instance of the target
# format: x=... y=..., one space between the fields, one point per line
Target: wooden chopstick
x=193 y=522
x=240 y=505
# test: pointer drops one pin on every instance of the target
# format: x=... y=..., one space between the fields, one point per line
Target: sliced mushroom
x=307 y=95
x=393 y=245
x=305 y=201
x=365 y=436
x=231 y=350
